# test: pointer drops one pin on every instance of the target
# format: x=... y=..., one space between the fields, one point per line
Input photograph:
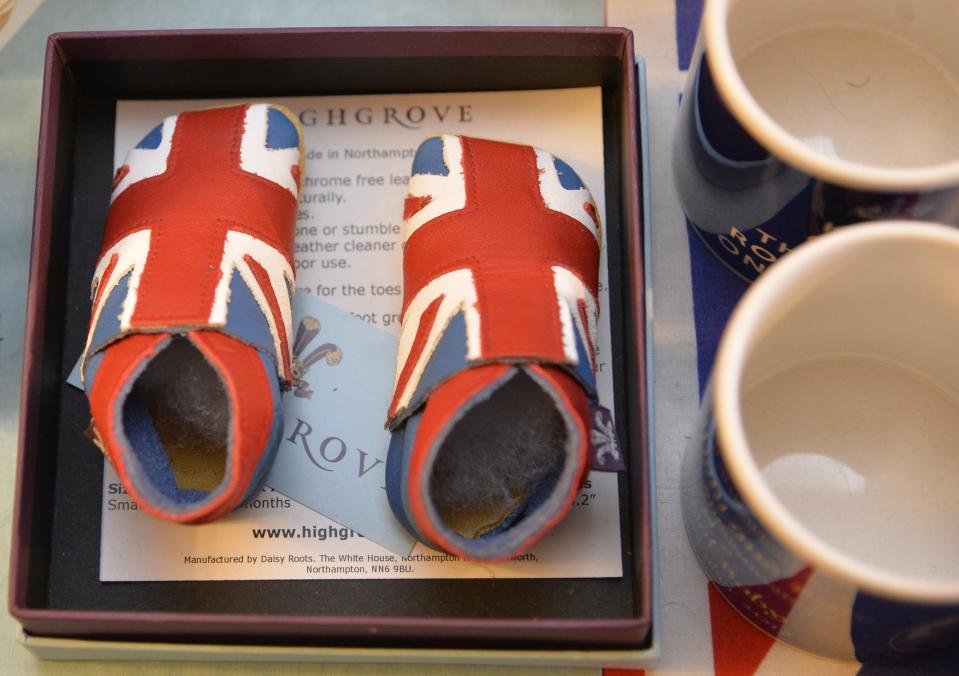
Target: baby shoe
x=495 y=385
x=189 y=333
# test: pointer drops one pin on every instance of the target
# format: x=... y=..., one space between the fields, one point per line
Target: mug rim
x=789 y=148
x=731 y=356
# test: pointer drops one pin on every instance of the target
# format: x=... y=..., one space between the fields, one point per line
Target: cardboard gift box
x=55 y=592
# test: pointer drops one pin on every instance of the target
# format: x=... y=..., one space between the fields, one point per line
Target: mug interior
x=871 y=82
x=842 y=368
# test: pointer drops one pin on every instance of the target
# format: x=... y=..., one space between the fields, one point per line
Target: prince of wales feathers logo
x=308 y=329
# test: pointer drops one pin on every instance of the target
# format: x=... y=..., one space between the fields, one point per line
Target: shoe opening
x=501 y=460
x=177 y=420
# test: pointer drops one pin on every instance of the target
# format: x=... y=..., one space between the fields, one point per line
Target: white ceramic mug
x=820 y=490
x=803 y=115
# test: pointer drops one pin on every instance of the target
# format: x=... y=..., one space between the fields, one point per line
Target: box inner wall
x=65 y=559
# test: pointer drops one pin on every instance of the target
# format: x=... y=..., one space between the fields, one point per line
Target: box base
x=77 y=649
x=56 y=592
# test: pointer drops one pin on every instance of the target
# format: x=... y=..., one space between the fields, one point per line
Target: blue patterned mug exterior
x=825 y=517
x=752 y=190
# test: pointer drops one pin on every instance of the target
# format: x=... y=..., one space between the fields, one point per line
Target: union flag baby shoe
x=495 y=385
x=188 y=342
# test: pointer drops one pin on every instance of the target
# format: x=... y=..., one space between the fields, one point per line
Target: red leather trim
x=584 y=318
x=442 y=405
x=573 y=399
x=263 y=279
x=119 y=176
x=251 y=415
x=419 y=342
x=245 y=380
x=414 y=203
x=120 y=361
x=449 y=398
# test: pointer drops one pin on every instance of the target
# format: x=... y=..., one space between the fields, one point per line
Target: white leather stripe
x=131 y=252
x=147 y=162
x=569 y=291
x=447 y=193
x=458 y=293
x=558 y=198
x=236 y=247
x=273 y=164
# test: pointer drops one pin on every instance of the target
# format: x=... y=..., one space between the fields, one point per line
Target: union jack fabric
x=201 y=213
x=500 y=268
x=197 y=252
x=502 y=248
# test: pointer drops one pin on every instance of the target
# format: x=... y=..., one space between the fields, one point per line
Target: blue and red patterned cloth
x=739 y=649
